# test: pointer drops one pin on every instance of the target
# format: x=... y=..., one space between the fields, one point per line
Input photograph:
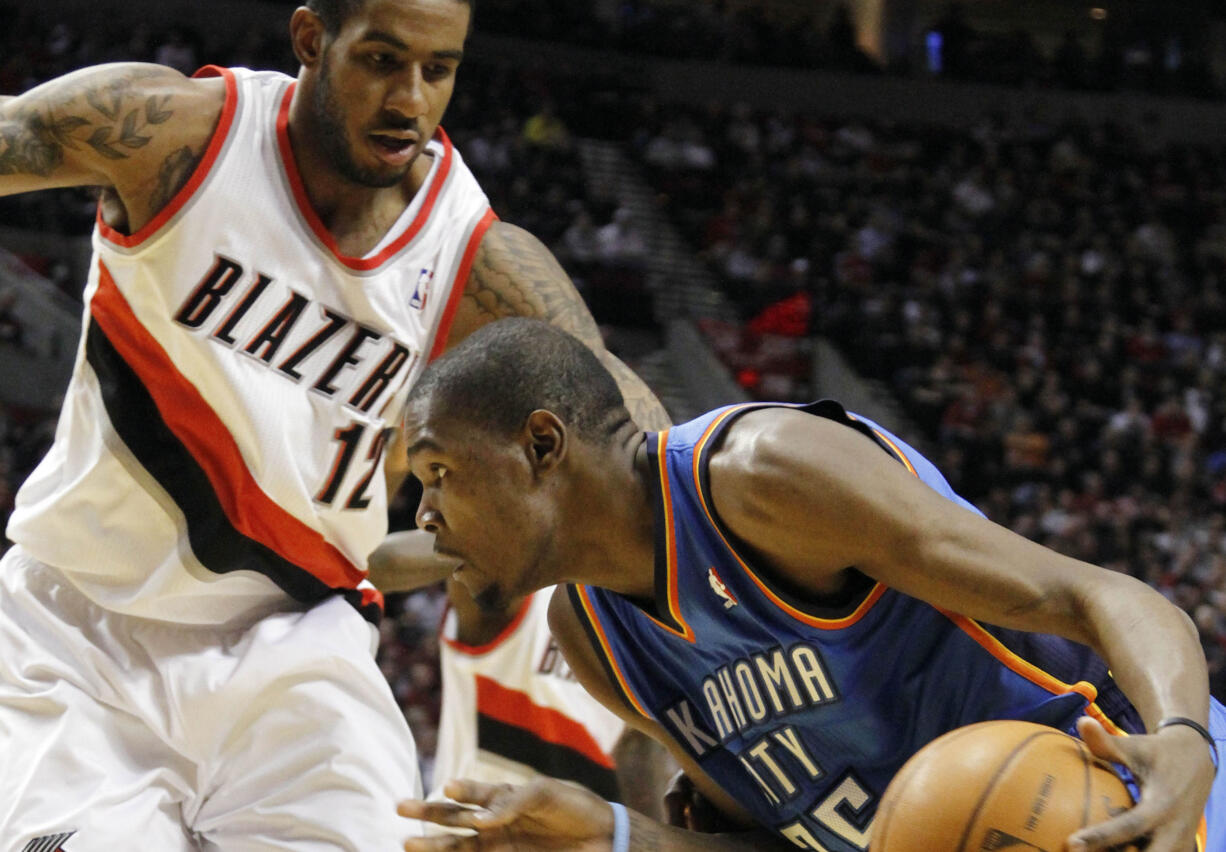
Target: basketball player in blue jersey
x=185 y=648
x=792 y=600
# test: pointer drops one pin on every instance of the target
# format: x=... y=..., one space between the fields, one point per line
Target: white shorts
x=137 y=734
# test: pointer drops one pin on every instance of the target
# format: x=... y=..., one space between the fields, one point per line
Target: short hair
x=507 y=369
x=334 y=13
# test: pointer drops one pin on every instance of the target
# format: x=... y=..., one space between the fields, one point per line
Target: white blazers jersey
x=219 y=450
x=513 y=710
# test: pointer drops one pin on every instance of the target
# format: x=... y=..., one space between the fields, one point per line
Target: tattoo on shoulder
x=514 y=274
x=108 y=117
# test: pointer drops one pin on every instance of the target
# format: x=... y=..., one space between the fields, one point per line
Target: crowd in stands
x=1048 y=301
x=1160 y=53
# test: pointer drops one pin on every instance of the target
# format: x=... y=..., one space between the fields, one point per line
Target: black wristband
x=1196 y=726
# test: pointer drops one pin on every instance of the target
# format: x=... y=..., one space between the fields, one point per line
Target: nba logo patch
x=421 y=292
x=717 y=586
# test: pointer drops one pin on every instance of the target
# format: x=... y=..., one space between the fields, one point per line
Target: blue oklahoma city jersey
x=804 y=711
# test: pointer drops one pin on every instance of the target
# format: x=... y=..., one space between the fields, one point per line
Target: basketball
x=996 y=785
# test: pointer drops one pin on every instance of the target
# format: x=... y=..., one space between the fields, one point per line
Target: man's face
x=383 y=84
x=485 y=506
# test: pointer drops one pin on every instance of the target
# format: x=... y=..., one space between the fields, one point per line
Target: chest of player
x=245 y=284
x=802 y=718
x=355 y=348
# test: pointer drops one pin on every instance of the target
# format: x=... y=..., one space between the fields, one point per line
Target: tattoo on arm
x=173 y=174
x=514 y=274
x=106 y=116
x=644 y=407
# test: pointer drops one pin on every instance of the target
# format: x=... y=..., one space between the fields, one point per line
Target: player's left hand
x=542 y=815
x=1175 y=773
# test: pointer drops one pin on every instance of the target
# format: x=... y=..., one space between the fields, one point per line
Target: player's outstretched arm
x=514 y=274
x=546 y=814
x=406 y=561
x=135 y=127
x=808 y=496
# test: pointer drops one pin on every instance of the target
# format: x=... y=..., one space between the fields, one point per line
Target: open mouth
x=394 y=149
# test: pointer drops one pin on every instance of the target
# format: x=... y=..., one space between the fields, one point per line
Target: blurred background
x=997 y=227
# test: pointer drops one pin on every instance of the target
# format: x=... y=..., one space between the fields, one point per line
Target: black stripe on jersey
x=215 y=542
x=593 y=637
x=838 y=605
x=663 y=612
x=558 y=761
x=1070 y=662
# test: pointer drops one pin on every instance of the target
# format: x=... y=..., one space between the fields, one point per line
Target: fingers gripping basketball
x=996 y=785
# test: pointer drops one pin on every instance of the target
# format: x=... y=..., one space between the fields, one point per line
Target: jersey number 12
x=349 y=438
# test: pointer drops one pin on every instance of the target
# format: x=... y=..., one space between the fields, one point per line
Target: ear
x=307 y=35
x=546 y=440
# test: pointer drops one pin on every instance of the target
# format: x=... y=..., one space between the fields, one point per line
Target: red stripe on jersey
x=203 y=433
x=458 y=284
x=512 y=707
x=361 y=264
x=371 y=595
x=202 y=169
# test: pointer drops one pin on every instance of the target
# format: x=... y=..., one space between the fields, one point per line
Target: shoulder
x=514 y=274
x=140 y=98
x=506 y=249
x=760 y=448
x=163 y=128
x=773 y=458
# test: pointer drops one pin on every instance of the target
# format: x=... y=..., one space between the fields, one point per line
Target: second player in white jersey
x=513 y=710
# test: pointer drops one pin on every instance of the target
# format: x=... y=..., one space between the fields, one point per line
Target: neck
x=614 y=544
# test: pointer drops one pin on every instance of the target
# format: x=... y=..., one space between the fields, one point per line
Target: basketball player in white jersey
x=185 y=647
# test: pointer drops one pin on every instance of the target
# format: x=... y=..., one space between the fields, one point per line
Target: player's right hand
x=1175 y=772
x=542 y=815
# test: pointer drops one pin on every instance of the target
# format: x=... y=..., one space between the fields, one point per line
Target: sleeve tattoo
x=514 y=274
x=104 y=115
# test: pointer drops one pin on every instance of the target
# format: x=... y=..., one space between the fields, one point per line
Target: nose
x=428 y=518
x=408 y=97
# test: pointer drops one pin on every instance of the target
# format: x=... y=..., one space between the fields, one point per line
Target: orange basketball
x=996 y=785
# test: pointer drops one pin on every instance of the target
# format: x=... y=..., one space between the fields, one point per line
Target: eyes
x=385 y=62
x=437 y=73
x=381 y=61
x=433 y=475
